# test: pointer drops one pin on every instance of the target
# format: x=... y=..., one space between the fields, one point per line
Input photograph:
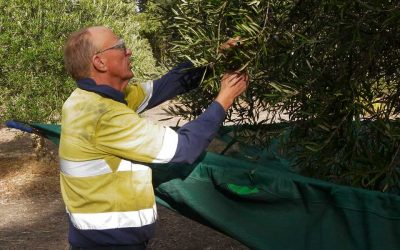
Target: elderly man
x=105 y=144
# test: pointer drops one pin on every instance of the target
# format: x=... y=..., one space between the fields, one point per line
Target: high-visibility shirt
x=104 y=147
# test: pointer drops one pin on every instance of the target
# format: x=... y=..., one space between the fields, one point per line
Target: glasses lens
x=121 y=45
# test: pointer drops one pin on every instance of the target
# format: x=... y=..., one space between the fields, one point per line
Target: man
x=106 y=186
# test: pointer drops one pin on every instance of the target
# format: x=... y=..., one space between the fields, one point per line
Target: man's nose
x=128 y=52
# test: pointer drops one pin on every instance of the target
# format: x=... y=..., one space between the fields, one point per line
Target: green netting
x=267 y=209
x=266 y=206
x=50 y=131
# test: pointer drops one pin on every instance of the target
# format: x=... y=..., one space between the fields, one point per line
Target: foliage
x=32 y=78
x=328 y=67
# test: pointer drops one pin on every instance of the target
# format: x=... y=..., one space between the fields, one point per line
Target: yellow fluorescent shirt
x=102 y=147
x=94 y=127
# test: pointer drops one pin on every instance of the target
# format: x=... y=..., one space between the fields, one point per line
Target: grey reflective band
x=125 y=165
x=84 y=168
x=112 y=220
x=168 y=148
x=148 y=88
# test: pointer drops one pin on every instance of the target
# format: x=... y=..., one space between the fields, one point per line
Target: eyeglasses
x=119 y=45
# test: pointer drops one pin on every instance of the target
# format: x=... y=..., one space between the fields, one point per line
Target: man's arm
x=195 y=136
x=129 y=136
x=179 y=80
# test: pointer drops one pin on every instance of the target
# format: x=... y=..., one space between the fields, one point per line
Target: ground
x=33 y=215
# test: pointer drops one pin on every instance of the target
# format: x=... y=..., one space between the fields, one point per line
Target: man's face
x=114 y=55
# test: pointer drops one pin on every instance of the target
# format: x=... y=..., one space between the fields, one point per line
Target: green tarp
x=266 y=206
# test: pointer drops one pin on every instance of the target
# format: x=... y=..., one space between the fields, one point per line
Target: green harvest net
x=264 y=205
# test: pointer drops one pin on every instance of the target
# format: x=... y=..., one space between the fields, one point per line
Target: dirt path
x=33 y=215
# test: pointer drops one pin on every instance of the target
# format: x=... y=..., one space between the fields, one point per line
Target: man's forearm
x=195 y=136
x=179 y=80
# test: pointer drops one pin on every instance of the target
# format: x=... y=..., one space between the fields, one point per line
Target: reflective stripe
x=110 y=220
x=125 y=165
x=84 y=168
x=168 y=148
x=148 y=88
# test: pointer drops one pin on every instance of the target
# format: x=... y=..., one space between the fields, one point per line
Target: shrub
x=33 y=82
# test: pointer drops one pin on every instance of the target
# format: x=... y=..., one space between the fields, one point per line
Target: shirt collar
x=106 y=91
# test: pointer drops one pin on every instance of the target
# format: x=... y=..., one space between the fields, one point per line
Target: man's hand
x=232 y=42
x=232 y=85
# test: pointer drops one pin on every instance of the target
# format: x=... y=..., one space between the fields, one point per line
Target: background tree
x=329 y=67
x=33 y=81
x=142 y=5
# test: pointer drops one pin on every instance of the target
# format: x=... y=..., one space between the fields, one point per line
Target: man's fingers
x=231 y=42
x=234 y=41
x=231 y=79
x=240 y=80
x=230 y=75
x=247 y=78
x=237 y=78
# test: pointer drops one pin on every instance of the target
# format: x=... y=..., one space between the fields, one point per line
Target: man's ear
x=99 y=63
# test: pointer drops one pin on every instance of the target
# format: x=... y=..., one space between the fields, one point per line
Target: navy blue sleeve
x=195 y=136
x=179 y=80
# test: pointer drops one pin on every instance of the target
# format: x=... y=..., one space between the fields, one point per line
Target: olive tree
x=330 y=69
